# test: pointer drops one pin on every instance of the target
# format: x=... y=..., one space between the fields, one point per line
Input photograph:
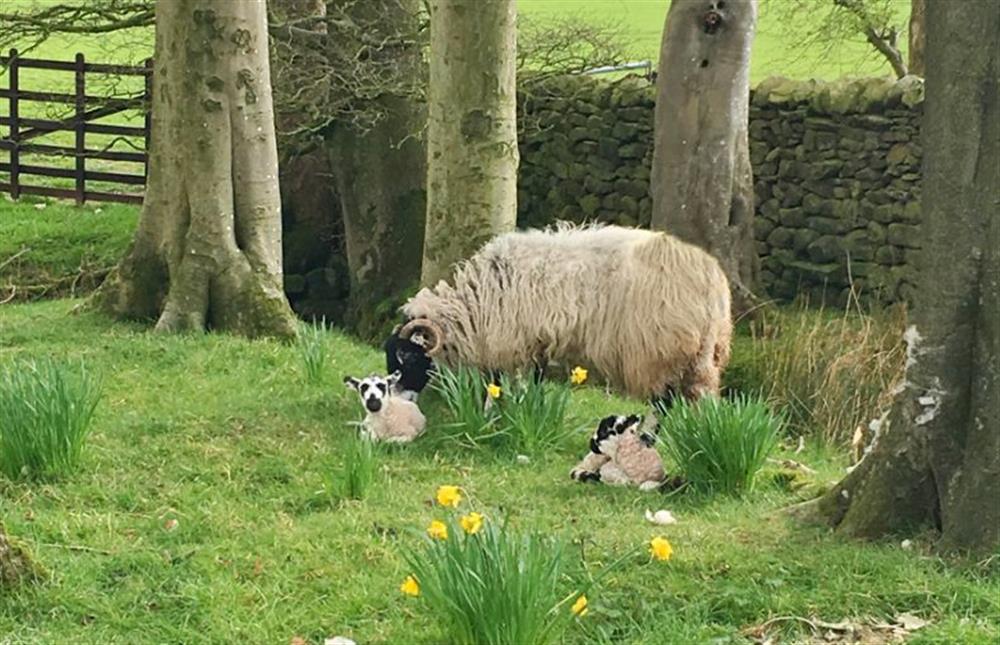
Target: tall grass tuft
x=359 y=470
x=46 y=408
x=463 y=391
x=718 y=445
x=311 y=343
x=496 y=587
x=830 y=372
x=525 y=416
x=533 y=414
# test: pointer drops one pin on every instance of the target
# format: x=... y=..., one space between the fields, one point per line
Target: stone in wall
x=836 y=167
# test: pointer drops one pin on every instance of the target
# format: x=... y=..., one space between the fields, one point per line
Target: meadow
x=202 y=512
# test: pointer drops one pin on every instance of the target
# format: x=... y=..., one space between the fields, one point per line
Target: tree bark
x=472 y=153
x=15 y=563
x=918 y=10
x=207 y=253
x=380 y=176
x=702 y=182
x=937 y=463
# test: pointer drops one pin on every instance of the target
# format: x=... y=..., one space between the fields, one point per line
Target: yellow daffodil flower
x=410 y=587
x=660 y=549
x=578 y=376
x=580 y=607
x=471 y=523
x=438 y=530
x=493 y=390
x=448 y=496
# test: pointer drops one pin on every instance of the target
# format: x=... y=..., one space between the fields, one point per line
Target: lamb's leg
x=589 y=467
x=613 y=475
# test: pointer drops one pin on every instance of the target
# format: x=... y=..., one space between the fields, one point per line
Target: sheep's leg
x=589 y=467
x=703 y=377
x=541 y=363
x=665 y=400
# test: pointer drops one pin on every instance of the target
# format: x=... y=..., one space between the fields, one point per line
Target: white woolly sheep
x=621 y=454
x=390 y=418
x=651 y=313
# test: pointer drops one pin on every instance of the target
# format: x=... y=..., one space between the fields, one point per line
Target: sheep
x=648 y=311
x=390 y=418
x=622 y=454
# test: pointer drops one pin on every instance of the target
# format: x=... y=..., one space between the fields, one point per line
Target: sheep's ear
x=394 y=378
x=351 y=382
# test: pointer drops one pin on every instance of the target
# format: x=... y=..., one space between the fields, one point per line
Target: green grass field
x=227 y=437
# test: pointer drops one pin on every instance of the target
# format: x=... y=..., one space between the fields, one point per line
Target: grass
x=525 y=417
x=221 y=434
x=719 y=445
x=54 y=248
x=359 y=470
x=45 y=412
x=311 y=342
x=829 y=371
x=774 y=52
x=499 y=586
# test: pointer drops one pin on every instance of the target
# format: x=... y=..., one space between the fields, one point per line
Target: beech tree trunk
x=918 y=10
x=702 y=182
x=937 y=461
x=207 y=253
x=380 y=178
x=472 y=151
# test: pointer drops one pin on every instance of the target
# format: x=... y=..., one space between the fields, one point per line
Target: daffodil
x=579 y=608
x=660 y=549
x=438 y=530
x=448 y=496
x=471 y=523
x=494 y=390
x=578 y=376
x=410 y=587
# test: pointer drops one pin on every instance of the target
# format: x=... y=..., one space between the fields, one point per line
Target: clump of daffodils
x=494 y=390
x=660 y=549
x=448 y=496
x=471 y=523
x=579 y=608
x=578 y=376
x=410 y=587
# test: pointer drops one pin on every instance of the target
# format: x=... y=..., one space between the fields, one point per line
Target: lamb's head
x=373 y=390
x=610 y=431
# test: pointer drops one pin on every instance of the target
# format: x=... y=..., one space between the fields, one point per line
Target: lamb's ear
x=647 y=439
x=393 y=378
x=351 y=382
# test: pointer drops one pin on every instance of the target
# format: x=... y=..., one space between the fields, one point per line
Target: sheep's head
x=425 y=333
x=609 y=432
x=373 y=390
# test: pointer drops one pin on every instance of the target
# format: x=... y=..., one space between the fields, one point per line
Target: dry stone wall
x=836 y=167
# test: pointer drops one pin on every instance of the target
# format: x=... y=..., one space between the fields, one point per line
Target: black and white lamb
x=390 y=418
x=622 y=454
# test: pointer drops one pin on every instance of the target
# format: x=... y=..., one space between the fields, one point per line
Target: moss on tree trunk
x=702 y=182
x=207 y=252
x=937 y=462
x=472 y=153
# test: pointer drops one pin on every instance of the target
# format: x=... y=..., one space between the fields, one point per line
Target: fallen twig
x=14 y=257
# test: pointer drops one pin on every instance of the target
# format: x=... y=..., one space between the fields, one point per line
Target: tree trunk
x=472 y=151
x=937 y=462
x=918 y=9
x=702 y=182
x=207 y=253
x=379 y=178
x=15 y=563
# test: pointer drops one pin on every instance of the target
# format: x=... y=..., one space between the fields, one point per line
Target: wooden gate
x=23 y=135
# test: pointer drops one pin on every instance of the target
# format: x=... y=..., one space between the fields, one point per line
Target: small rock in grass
x=661 y=517
x=339 y=640
x=523 y=459
x=906 y=544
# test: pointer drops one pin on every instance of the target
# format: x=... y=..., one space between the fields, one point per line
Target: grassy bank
x=200 y=515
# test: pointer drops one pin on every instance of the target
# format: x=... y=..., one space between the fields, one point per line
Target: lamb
x=390 y=418
x=651 y=313
x=622 y=454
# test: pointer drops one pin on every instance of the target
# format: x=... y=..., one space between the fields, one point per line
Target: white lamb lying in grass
x=390 y=418
x=621 y=454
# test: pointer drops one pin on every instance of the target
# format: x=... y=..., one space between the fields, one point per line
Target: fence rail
x=22 y=131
